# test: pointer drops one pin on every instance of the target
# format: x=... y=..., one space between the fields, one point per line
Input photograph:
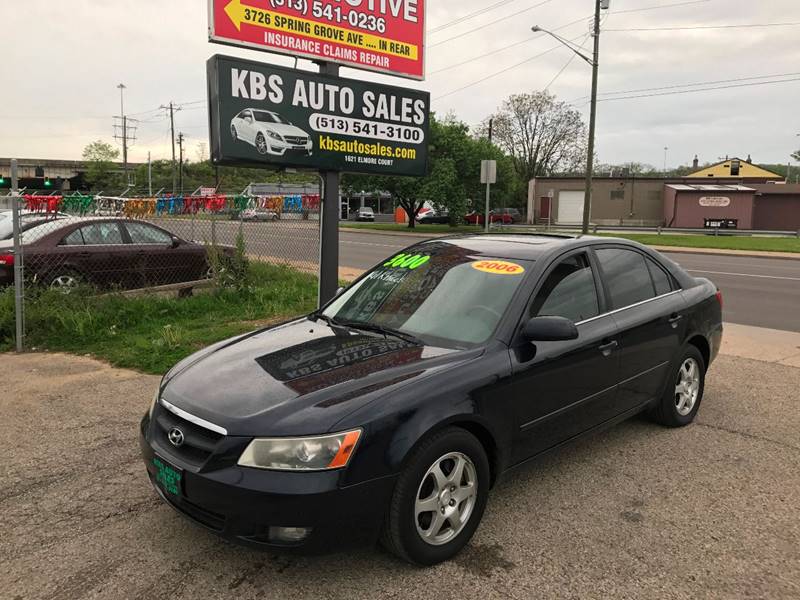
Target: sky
x=64 y=60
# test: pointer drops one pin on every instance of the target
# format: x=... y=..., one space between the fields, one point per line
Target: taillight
x=719 y=298
x=6 y=260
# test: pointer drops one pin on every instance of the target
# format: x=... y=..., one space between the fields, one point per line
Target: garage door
x=570 y=208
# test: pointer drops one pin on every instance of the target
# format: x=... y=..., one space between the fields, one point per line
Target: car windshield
x=268 y=117
x=437 y=292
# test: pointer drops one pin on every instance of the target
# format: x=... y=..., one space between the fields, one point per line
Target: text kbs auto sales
x=405 y=115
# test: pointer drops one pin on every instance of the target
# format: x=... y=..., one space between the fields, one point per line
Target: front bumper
x=240 y=504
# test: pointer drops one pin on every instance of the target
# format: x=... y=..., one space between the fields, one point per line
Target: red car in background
x=475 y=218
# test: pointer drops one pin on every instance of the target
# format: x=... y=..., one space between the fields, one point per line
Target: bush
x=150 y=332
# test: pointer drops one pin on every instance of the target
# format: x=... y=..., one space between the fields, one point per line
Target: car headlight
x=301 y=454
x=274 y=136
x=154 y=402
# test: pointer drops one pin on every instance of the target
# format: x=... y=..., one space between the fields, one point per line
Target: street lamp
x=592 y=61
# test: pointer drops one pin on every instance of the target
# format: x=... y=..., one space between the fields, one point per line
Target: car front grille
x=297 y=141
x=198 y=445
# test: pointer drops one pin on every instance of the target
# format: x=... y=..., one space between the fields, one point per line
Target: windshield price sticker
x=499 y=267
x=407 y=261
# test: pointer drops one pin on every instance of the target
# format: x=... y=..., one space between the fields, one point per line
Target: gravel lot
x=711 y=510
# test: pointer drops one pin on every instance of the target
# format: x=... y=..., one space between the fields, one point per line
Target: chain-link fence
x=100 y=244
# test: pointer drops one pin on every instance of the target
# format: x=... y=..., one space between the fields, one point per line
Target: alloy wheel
x=687 y=388
x=64 y=283
x=445 y=498
x=261 y=144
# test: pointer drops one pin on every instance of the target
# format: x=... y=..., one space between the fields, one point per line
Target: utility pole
x=180 y=168
x=665 y=160
x=491 y=123
x=121 y=87
x=587 y=196
x=125 y=131
x=593 y=62
x=172 y=109
x=149 y=175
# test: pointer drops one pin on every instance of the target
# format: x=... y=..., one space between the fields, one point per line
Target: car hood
x=299 y=378
x=283 y=129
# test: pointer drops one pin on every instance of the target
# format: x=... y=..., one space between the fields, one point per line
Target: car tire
x=428 y=537
x=64 y=280
x=262 y=146
x=684 y=390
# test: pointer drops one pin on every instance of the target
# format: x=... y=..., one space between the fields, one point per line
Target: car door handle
x=607 y=348
x=673 y=319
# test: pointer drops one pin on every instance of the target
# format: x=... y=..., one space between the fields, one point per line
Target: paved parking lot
x=710 y=510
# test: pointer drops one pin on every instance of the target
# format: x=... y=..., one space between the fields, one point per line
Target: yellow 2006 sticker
x=499 y=267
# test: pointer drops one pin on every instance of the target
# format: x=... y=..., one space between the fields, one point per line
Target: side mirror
x=175 y=242
x=549 y=329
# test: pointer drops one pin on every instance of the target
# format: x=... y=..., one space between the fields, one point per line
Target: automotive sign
x=377 y=35
x=264 y=114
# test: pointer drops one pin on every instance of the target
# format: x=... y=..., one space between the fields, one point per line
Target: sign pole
x=486 y=219
x=329 y=221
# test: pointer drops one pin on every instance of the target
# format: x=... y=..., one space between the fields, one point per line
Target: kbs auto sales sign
x=376 y=35
x=262 y=114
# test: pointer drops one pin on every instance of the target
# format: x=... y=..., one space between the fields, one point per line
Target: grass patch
x=151 y=333
x=722 y=242
x=420 y=228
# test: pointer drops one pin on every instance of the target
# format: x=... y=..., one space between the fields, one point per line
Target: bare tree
x=541 y=134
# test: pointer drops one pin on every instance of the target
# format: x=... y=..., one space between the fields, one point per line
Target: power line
x=683 y=85
x=485 y=54
x=568 y=63
x=500 y=72
x=512 y=45
x=657 y=7
x=489 y=24
x=691 y=27
x=708 y=89
x=470 y=15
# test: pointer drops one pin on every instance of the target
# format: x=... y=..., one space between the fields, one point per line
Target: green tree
x=540 y=133
x=100 y=168
x=453 y=179
x=796 y=155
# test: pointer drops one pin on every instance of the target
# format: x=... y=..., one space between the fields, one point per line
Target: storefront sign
x=376 y=35
x=264 y=114
x=715 y=201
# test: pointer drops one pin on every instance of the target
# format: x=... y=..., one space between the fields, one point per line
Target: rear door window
x=98 y=234
x=661 y=280
x=626 y=276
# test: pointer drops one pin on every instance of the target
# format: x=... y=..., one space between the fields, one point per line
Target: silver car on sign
x=269 y=132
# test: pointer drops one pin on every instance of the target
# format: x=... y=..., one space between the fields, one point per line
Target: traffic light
x=2 y=180
x=47 y=183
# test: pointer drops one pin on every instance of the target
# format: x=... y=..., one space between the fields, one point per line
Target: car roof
x=523 y=246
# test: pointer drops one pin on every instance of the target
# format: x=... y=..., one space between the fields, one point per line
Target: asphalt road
x=640 y=511
x=764 y=292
